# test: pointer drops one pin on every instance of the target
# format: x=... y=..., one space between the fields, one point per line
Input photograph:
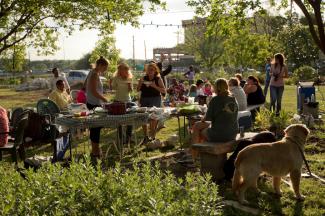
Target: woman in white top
x=95 y=97
x=238 y=92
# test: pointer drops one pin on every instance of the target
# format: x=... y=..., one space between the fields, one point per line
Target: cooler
x=304 y=92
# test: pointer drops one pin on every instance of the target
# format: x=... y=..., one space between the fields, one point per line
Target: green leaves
x=31 y=20
x=83 y=190
x=106 y=47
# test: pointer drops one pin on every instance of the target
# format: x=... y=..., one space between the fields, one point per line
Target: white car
x=79 y=76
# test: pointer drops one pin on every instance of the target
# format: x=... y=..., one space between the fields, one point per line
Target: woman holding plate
x=151 y=87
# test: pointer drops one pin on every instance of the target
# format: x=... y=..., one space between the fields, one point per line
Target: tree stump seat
x=213 y=155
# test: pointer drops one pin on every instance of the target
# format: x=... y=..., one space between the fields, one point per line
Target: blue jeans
x=276 y=98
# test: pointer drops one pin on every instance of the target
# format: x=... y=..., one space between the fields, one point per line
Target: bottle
x=312 y=98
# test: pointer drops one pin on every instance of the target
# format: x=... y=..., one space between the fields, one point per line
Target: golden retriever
x=277 y=159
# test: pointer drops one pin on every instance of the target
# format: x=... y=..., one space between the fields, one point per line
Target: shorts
x=150 y=101
x=94 y=133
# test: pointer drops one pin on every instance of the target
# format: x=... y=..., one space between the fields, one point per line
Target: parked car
x=79 y=76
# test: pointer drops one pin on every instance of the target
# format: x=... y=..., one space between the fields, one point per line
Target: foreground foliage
x=84 y=190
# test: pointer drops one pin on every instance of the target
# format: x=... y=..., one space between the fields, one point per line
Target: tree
x=246 y=49
x=234 y=14
x=13 y=59
x=36 y=22
x=106 y=47
x=297 y=45
x=83 y=63
x=207 y=49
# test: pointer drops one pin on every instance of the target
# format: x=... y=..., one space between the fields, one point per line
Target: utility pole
x=133 y=53
x=145 y=51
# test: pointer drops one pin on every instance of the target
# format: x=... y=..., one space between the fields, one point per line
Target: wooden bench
x=214 y=155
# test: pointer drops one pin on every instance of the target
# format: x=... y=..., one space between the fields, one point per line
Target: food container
x=115 y=108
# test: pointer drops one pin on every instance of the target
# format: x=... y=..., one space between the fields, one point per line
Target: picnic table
x=103 y=120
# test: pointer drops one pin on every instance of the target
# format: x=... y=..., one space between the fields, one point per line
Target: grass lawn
x=313 y=189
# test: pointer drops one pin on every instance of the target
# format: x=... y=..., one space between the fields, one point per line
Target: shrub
x=84 y=190
x=267 y=120
x=304 y=73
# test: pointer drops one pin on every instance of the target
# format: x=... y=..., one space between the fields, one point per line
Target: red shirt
x=81 y=97
x=4 y=127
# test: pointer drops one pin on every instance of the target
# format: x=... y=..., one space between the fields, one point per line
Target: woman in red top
x=4 y=127
x=81 y=96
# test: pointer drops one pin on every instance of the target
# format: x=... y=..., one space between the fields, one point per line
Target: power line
x=170 y=12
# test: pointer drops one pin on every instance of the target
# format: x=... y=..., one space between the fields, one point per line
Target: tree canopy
x=235 y=14
x=36 y=22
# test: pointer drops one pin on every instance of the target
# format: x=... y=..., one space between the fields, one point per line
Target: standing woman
x=95 y=97
x=278 y=72
x=122 y=84
x=151 y=87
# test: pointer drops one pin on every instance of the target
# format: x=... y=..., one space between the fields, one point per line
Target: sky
x=82 y=42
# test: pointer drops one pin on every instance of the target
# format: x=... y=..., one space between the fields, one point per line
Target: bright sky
x=82 y=42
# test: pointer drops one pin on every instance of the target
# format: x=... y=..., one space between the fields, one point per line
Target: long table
x=104 y=120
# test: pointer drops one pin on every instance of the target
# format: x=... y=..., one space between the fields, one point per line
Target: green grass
x=266 y=202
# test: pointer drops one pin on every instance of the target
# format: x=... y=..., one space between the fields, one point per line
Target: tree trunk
x=320 y=37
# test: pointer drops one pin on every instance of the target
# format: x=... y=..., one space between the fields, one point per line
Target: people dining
x=199 y=87
x=176 y=91
x=220 y=122
x=254 y=91
x=60 y=96
x=238 y=92
x=95 y=98
x=58 y=76
x=240 y=79
x=207 y=90
x=151 y=87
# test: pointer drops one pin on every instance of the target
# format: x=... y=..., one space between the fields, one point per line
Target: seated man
x=60 y=96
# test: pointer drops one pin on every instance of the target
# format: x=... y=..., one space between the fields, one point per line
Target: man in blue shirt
x=267 y=75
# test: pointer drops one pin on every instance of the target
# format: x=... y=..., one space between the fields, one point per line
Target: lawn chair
x=15 y=115
x=47 y=107
x=18 y=134
x=74 y=94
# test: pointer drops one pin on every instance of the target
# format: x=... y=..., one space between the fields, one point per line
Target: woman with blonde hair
x=220 y=122
x=122 y=84
x=151 y=87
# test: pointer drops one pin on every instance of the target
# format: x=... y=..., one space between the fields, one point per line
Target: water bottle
x=312 y=98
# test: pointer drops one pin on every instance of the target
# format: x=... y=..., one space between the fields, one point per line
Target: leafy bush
x=267 y=120
x=304 y=73
x=84 y=190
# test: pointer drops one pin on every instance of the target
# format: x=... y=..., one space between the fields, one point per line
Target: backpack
x=38 y=127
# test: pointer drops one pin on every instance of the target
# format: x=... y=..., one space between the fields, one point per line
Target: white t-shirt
x=55 y=79
x=239 y=94
x=199 y=92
